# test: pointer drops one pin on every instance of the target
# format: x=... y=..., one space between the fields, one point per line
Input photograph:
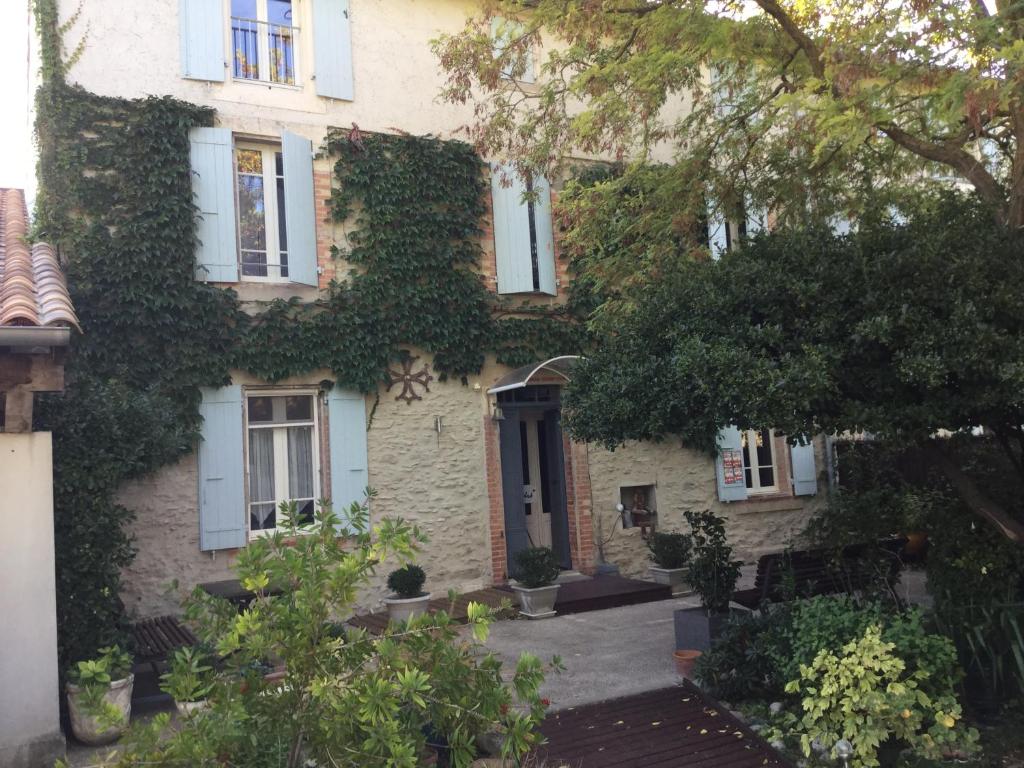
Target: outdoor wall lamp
x=844 y=751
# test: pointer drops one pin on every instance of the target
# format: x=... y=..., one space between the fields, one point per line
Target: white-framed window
x=503 y=33
x=760 y=465
x=283 y=456
x=262 y=231
x=264 y=41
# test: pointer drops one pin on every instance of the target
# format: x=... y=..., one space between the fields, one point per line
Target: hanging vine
x=115 y=197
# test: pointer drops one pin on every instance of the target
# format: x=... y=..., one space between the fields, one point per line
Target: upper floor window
x=759 y=466
x=264 y=40
x=523 y=232
x=262 y=225
x=506 y=34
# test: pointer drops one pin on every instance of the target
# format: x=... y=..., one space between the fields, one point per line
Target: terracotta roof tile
x=33 y=290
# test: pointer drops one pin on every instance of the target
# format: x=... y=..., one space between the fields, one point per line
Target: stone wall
x=439 y=480
x=685 y=479
x=434 y=479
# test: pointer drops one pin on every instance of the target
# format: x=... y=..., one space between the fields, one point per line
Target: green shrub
x=865 y=694
x=536 y=567
x=189 y=678
x=669 y=550
x=408 y=581
x=346 y=699
x=740 y=664
x=712 y=571
x=757 y=655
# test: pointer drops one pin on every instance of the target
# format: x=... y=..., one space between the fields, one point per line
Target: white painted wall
x=29 y=727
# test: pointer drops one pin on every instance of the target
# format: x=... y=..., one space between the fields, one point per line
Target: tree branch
x=955 y=157
x=974 y=497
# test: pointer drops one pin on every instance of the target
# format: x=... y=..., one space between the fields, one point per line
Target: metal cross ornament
x=409 y=380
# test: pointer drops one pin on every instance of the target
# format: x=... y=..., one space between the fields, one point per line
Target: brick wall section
x=495 y=502
x=579 y=502
x=489 y=261
x=324 y=228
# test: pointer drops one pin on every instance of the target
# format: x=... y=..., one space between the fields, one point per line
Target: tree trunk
x=974 y=497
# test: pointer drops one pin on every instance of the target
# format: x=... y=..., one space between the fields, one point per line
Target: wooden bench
x=157 y=638
x=805 y=573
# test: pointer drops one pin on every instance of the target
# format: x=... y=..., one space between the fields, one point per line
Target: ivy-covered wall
x=115 y=197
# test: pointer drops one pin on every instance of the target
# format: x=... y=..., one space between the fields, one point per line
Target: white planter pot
x=86 y=727
x=672 y=577
x=537 y=603
x=186 y=708
x=403 y=609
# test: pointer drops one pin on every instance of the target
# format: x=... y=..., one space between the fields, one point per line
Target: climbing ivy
x=115 y=197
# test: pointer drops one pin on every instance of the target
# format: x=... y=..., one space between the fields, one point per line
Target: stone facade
x=683 y=480
x=435 y=462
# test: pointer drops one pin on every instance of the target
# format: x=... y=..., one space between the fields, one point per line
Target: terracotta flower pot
x=685 y=661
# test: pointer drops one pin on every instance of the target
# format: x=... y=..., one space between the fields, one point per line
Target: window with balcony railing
x=264 y=41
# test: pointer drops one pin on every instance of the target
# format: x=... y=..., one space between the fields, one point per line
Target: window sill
x=769 y=502
x=267 y=84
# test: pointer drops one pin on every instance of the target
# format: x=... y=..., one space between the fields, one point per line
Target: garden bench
x=156 y=638
x=805 y=573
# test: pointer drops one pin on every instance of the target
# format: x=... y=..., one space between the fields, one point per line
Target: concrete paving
x=607 y=654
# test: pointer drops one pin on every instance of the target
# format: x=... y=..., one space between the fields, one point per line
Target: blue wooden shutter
x=511 y=231
x=299 y=208
x=502 y=30
x=213 y=187
x=332 y=49
x=201 y=29
x=222 y=518
x=717 y=235
x=756 y=221
x=805 y=471
x=732 y=485
x=346 y=411
x=545 y=236
x=517 y=537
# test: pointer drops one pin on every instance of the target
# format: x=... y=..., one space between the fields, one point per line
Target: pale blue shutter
x=221 y=475
x=346 y=412
x=201 y=29
x=545 y=236
x=805 y=471
x=732 y=485
x=717 y=236
x=299 y=208
x=332 y=49
x=511 y=231
x=502 y=31
x=756 y=221
x=213 y=187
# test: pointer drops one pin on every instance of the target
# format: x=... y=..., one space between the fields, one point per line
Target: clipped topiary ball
x=536 y=567
x=407 y=582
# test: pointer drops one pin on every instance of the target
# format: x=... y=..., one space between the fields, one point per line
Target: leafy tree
x=901 y=330
x=295 y=687
x=791 y=106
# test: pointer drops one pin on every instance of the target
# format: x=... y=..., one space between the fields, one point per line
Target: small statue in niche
x=642 y=516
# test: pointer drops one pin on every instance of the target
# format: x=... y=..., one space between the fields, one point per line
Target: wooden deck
x=495 y=598
x=608 y=591
x=677 y=726
x=580 y=596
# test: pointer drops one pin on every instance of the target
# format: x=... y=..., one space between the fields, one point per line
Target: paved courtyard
x=607 y=654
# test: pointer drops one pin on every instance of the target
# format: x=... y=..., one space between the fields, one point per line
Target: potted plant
x=408 y=598
x=670 y=553
x=189 y=680
x=99 y=695
x=713 y=574
x=536 y=570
